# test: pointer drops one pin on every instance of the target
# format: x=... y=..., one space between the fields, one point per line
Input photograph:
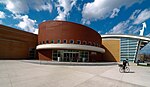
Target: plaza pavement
x=19 y=73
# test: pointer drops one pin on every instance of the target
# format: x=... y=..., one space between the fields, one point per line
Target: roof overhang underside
x=126 y=36
x=144 y=40
x=71 y=47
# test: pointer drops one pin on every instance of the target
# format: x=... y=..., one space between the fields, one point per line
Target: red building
x=67 y=41
x=17 y=44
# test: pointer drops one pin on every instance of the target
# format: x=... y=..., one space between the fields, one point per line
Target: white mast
x=142 y=31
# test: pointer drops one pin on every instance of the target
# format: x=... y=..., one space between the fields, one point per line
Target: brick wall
x=15 y=44
x=112 y=50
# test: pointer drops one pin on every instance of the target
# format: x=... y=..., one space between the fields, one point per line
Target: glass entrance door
x=66 y=57
x=70 y=57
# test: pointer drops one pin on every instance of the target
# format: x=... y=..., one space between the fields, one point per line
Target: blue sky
x=104 y=16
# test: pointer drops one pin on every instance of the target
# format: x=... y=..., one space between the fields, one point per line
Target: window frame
x=79 y=41
x=59 y=41
x=47 y=41
x=65 y=41
x=52 y=41
x=84 y=42
x=72 y=42
x=89 y=43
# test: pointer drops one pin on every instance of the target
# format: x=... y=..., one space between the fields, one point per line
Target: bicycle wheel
x=121 y=70
x=127 y=69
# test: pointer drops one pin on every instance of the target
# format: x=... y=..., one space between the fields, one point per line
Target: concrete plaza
x=19 y=73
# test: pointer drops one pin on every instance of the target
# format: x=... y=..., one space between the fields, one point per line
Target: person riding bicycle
x=123 y=67
x=125 y=62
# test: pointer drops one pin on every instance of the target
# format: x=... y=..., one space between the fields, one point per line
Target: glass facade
x=129 y=48
x=70 y=56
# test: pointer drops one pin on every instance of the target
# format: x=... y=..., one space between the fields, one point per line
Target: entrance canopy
x=71 y=47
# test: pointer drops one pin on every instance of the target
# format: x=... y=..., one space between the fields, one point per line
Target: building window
x=84 y=42
x=84 y=56
x=47 y=41
x=65 y=41
x=93 y=43
x=96 y=44
x=128 y=49
x=78 y=42
x=59 y=41
x=52 y=41
x=55 y=54
x=89 y=43
x=71 y=41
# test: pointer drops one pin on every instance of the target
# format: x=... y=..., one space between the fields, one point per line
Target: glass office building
x=129 y=46
x=128 y=49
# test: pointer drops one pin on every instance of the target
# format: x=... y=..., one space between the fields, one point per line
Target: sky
x=104 y=16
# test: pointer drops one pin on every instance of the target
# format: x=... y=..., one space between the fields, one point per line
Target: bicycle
x=121 y=70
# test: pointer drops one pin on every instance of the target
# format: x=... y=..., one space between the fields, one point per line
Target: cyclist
x=124 y=64
x=123 y=67
x=127 y=61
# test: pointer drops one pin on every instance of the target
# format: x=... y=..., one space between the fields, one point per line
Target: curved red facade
x=62 y=32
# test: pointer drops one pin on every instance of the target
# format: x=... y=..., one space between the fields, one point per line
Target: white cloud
x=125 y=27
x=84 y=21
x=43 y=20
x=63 y=8
x=100 y=9
x=2 y=14
x=41 y=5
x=16 y=6
x=78 y=8
x=148 y=35
x=23 y=6
x=128 y=26
x=115 y=12
x=16 y=16
x=119 y=28
x=135 y=14
x=26 y=23
x=61 y=15
x=143 y=16
x=99 y=32
x=36 y=31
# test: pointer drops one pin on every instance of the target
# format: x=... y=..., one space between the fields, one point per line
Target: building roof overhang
x=71 y=47
x=144 y=40
x=126 y=36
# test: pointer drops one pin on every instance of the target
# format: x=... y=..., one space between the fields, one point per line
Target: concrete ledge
x=71 y=46
x=71 y=63
x=144 y=64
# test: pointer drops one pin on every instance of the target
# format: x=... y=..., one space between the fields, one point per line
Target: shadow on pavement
x=128 y=72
